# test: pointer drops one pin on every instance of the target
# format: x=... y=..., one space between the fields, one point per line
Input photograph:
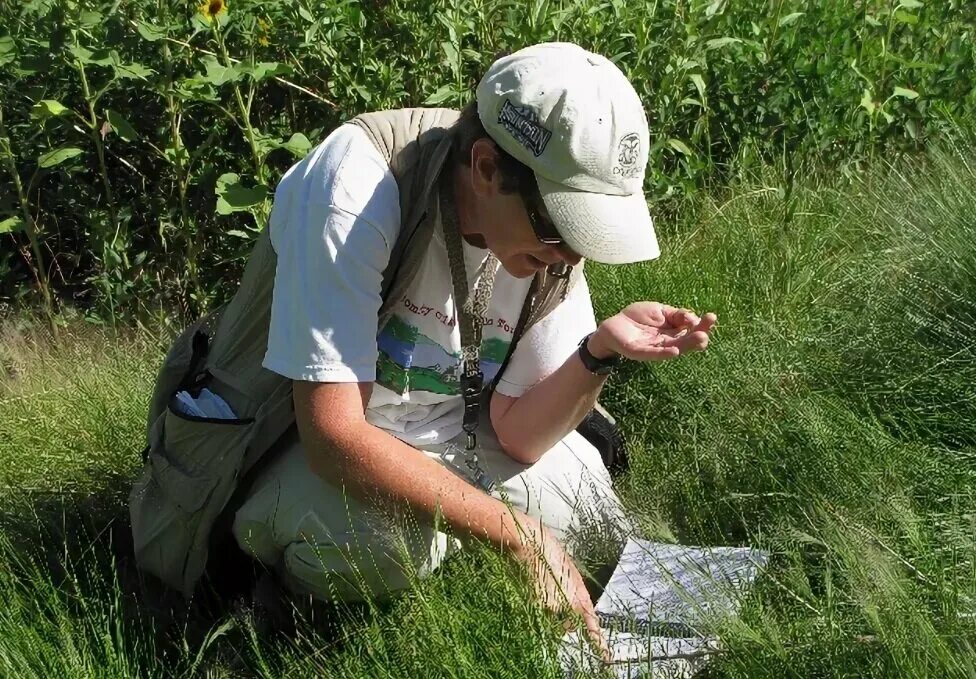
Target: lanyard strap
x=470 y=311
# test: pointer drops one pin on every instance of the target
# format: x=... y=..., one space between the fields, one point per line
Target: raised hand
x=651 y=331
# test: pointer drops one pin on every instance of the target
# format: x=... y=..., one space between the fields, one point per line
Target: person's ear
x=485 y=176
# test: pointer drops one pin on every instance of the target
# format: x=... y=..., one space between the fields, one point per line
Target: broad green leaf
x=679 y=146
x=266 y=143
x=12 y=225
x=101 y=57
x=867 y=101
x=714 y=8
x=90 y=19
x=150 y=32
x=48 y=108
x=32 y=65
x=8 y=50
x=80 y=53
x=910 y=4
x=871 y=20
x=906 y=17
x=263 y=70
x=305 y=14
x=912 y=127
x=298 y=144
x=104 y=57
x=451 y=52
x=176 y=157
x=232 y=196
x=58 y=156
x=905 y=92
x=239 y=234
x=443 y=93
x=720 y=42
x=790 y=19
x=121 y=126
x=134 y=71
x=218 y=74
x=699 y=84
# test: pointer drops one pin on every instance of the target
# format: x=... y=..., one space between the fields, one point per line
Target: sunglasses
x=546 y=232
x=544 y=229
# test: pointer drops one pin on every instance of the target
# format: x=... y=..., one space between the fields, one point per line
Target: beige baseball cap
x=576 y=121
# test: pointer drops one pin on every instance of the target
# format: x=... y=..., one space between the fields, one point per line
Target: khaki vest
x=195 y=466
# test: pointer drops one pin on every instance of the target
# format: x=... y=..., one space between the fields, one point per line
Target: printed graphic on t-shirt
x=410 y=361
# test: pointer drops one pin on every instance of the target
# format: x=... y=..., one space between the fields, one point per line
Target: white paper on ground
x=207 y=404
x=661 y=604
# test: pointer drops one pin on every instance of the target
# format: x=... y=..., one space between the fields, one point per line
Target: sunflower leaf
x=48 y=108
x=134 y=71
x=8 y=50
x=218 y=74
x=233 y=196
x=263 y=70
x=58 y=156
x=120 y=125
x=12 y=225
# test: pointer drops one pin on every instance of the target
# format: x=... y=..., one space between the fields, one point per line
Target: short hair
x=517 y=177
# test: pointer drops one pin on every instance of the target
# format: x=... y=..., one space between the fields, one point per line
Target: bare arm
x=347 y=451
x=530 y=425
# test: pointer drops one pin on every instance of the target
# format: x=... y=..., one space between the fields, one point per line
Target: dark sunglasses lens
x=544 y=231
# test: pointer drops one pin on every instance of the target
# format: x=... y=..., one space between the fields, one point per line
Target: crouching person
x=421 y=296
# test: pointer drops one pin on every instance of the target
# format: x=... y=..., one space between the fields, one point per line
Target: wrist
x=598 y=347
x=527 y=534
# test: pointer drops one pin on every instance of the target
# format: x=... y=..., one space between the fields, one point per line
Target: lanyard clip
x=472 y=383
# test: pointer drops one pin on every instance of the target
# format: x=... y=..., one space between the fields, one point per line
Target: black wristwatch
x=597 y=366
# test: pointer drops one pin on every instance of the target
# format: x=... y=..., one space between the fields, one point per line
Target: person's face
x=521 y=236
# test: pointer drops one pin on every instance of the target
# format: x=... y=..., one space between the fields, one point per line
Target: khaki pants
x=325 y=543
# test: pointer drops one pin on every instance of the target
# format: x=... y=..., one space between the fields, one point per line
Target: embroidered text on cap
x=523 y=124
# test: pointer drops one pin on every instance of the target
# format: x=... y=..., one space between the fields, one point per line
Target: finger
x=692 y=341
x=684 y=318
x=707 y=322
x=665 y=347
x=596 y=635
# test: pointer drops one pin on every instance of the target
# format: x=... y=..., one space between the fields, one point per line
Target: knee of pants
x=363 y=566
x=570 y=491
x=342 y=573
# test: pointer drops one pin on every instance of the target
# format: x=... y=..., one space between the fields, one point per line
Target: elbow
x=520 y=451
x=332 y=455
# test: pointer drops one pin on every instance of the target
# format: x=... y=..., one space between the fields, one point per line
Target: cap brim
x=600 y=227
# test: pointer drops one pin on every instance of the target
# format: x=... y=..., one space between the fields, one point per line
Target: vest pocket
x=192 y=469
x=196 y=454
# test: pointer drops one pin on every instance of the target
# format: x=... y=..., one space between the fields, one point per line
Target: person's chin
x=522 y=266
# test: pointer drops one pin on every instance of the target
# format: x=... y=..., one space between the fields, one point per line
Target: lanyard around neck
x=470 y=308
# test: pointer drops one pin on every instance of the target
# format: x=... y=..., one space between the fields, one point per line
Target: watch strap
x=597 y=366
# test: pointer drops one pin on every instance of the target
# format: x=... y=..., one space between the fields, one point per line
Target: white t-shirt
x=335 y=220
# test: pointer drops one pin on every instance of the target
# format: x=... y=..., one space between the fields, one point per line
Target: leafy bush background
x=140 y=142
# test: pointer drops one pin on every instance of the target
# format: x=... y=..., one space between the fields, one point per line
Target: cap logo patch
x=523 y=124
x=628 y=153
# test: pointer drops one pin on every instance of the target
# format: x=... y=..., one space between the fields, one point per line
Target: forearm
x=537 y=420
x=376 y=467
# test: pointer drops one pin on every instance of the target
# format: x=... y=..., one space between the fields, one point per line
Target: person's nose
x=556 y=254
x=568 y=255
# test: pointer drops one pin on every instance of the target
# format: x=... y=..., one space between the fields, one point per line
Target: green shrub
x=140 y=142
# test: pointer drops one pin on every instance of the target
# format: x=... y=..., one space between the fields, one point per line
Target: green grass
x=832 y=422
